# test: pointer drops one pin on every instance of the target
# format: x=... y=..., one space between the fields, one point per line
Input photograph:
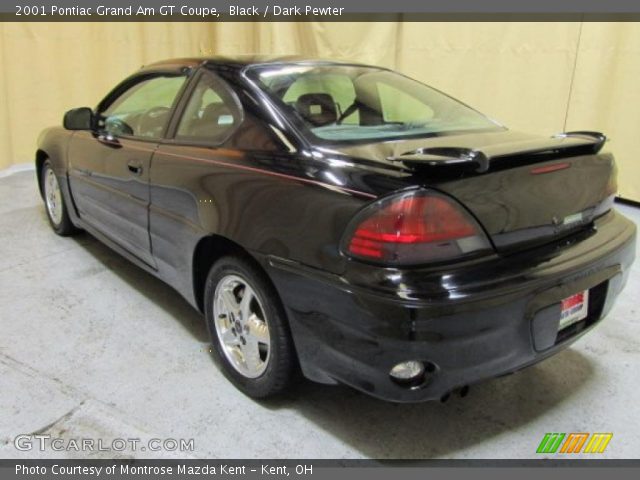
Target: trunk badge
x=568 y=221
x=571 y=219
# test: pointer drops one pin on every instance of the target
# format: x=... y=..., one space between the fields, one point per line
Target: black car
x=344 y=221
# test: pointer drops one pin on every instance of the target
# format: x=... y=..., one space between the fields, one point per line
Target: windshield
x=347 y=103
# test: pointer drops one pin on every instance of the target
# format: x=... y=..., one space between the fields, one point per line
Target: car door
x=109 y=166
x=190 y=178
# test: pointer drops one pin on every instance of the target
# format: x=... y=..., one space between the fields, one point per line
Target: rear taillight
x=413 y=228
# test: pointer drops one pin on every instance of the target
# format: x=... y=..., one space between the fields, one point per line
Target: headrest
x=317 y=108
x=214 y=111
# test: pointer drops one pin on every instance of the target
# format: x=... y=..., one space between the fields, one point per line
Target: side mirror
x=78 y=119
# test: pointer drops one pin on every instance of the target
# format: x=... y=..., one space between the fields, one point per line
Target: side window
x=398 y=106
x=211 y=113
x=143 y=110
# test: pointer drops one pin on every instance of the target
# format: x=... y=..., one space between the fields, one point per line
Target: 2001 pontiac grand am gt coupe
x=344 y=220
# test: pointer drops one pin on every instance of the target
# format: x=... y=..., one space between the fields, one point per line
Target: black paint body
x=269 y=192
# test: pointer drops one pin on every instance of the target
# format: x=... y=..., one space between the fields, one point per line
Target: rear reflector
x=550 y=168
x=413 y=227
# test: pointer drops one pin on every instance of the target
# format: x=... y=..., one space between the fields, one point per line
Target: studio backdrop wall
x=537 y=77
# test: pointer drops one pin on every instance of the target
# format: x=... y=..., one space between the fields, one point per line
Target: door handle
x=135 y=168
x=108 y=140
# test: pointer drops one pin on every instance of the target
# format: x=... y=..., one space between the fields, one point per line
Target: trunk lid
x=523 y=189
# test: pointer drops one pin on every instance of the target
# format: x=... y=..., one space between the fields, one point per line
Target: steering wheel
x=151 y=122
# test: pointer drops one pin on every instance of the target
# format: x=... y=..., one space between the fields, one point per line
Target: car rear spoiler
x=457 y=159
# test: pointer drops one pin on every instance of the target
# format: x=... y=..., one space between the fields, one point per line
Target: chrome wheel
x=241 y=326
x=53 y=197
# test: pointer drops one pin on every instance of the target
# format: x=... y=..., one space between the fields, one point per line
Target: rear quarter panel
x=267 y=202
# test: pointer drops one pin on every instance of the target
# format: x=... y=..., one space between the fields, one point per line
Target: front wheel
x=54 y=202
x=248 y=328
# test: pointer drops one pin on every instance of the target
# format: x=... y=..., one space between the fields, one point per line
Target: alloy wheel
x=53 y=196
x=241 y=326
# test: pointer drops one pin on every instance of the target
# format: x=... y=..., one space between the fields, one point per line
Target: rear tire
x=54 y=203
x=248 y=328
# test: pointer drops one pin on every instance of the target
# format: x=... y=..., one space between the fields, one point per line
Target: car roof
x=242 y=61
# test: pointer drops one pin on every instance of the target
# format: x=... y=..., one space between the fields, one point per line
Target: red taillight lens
x=412 y=228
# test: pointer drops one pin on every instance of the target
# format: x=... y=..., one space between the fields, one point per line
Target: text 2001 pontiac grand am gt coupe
x=344 y=221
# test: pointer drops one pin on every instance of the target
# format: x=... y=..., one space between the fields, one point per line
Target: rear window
x=351 y=103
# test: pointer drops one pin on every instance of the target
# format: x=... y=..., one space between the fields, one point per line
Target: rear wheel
x=54 y=202
x=248 y=328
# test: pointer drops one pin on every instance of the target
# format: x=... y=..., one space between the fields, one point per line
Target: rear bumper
x=469 y=323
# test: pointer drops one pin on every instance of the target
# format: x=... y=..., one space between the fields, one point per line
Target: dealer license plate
x=574 y=309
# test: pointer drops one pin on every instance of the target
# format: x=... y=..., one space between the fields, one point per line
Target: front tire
x=55 y=205
x=248 y=328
